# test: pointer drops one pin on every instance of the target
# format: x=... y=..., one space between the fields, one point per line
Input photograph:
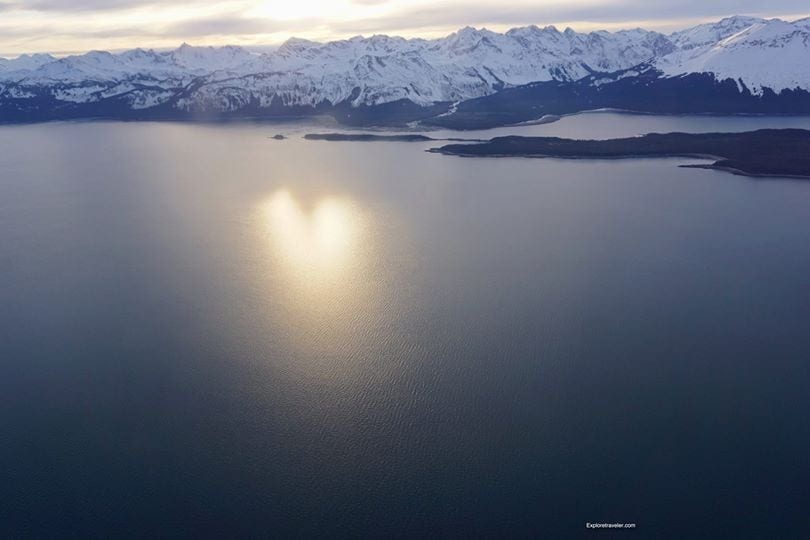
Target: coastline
x=765 y=152
x=740 y=172
x=706 y=166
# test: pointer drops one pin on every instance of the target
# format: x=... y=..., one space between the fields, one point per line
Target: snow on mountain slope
x=469 y=63
x=711 y=33
x=377 y=70
x=24 y=63
x=766 y=54
x=369 y=71
x=204 y=60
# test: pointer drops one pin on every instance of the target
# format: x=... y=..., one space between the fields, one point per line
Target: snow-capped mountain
x=25 y=62
x=381 y=71
x=469 y=63
x=761 y=55
x=712 y=33
x=370 y=71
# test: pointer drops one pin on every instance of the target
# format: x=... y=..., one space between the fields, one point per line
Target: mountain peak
x=739 y=19
x=755 y=52
x=299 y=42
x=710 y=33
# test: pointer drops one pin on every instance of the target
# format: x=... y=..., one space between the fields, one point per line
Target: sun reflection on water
x=318 y=247
x=320 y=284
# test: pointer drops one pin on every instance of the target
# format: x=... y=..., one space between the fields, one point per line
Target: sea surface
x=208 y=333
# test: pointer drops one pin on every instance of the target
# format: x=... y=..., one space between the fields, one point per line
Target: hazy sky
x=64 y=26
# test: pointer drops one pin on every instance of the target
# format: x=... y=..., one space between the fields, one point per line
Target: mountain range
x=471 y=78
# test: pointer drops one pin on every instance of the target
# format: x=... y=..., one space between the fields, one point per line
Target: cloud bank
x=63 y=26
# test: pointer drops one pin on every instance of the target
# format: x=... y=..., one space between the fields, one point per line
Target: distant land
x=642 y=89
x=374 y=137
x=366 y=137
x=765 y=152
x=471 y=79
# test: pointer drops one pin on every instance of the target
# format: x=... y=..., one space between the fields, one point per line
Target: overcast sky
x=67 y=26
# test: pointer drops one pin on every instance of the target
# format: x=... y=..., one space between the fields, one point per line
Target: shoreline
x=409 y=127
x=740 y=172
x=705 y=166
x=765 y=153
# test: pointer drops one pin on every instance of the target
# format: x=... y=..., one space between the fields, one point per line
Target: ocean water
x=206 y=332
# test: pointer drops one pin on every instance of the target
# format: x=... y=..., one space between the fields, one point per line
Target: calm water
x=207 y=332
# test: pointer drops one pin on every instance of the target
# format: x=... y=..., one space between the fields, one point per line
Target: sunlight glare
x=317 y=246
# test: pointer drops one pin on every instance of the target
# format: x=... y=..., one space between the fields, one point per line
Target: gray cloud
x=670 y=9
x=195 y=28
x=84 y=5
x=479 y=14
x=220 y=26
x=441 y=15
x=66 y=6
x=499 y=12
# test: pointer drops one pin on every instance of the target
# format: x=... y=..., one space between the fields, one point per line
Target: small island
x=766 y=152
x=366 y=137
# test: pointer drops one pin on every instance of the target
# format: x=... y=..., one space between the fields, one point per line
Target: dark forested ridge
x=766 y=152
x=635 y=90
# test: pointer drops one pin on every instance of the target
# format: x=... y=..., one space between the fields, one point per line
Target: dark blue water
x=208 y=333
